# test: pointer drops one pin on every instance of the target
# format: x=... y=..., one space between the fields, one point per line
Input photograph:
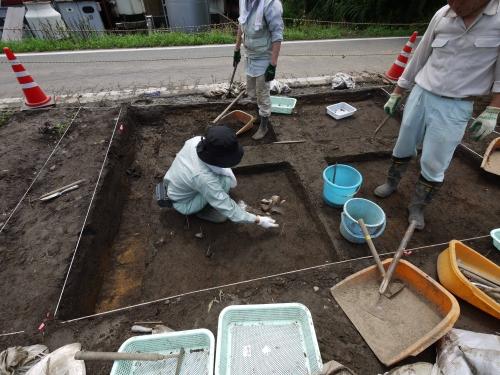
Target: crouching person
x=199 y=180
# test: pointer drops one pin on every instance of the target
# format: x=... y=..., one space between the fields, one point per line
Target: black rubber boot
x=263 y=129
x=424 y=192
x=396 y=172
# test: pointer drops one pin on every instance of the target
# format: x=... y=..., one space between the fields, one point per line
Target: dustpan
x=491 y=159
x=413 y=319
x=452 y=278
x=245 y=118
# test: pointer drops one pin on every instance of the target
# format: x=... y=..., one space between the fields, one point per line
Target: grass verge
x=225 y=36
x=5 y=117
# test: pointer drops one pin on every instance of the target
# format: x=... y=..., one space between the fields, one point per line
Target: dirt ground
x=132 y=251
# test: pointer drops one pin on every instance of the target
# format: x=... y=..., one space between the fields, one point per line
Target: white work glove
x=266 y=222
x=485 y=123
x=392 y=104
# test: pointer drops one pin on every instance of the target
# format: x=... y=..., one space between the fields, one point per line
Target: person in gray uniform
x=260 y=29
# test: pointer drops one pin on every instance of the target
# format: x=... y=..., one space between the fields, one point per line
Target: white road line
x=118 y=50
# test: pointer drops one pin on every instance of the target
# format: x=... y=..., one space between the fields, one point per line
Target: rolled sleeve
x=211 y=189
x=274 y=17
x=421 y=54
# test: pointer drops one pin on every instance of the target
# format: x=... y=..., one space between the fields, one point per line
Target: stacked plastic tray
x=252 y=339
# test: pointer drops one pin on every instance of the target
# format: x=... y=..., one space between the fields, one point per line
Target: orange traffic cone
x=35 y=97
x=400 y=64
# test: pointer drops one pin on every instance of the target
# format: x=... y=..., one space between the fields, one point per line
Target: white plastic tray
x=340 y=110
x=267 y=339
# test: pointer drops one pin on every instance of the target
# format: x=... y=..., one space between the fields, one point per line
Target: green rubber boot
x=396 y=172
x=424 y=193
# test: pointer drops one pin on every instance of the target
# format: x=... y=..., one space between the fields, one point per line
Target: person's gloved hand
x=236 y=58
x=392 y=104
x=270 y=72
x=266 y=222
x=485 y=123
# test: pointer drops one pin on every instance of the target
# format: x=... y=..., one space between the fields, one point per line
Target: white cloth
x=454 y=61
x=469 y=353
x=278 y=87
x=224 y=172
x=342 y=81
x=245 y=9
x=18 y=359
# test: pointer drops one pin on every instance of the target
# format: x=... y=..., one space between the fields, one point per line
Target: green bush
x=5 y=117
x=297 y=30
x=380 y=11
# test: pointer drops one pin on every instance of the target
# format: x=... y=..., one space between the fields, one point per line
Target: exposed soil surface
x=132 y=251
x=37 y=244
x=226 y=252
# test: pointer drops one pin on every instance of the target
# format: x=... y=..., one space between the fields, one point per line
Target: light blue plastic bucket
x=347 y=183
x=356 y=238
x=495 y=235
x=371 y=213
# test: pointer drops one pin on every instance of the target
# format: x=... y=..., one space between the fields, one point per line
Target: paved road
x=103 y=70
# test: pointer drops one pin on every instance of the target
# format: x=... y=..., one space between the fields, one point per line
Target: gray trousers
x=258 y=88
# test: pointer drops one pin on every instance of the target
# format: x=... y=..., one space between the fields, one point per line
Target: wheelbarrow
x=241 y=117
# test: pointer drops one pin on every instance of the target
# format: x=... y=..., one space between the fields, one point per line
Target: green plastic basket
x=198 y=358
x=282 y=104
x=267 y=339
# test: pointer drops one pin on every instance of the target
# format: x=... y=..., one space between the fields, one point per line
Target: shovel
x=399 y=253
x=388 y=289
x=396 y=286
x=232 y=80
x=121 y=356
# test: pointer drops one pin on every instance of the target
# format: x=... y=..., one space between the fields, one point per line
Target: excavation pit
x=134 y=252
x=157 y=253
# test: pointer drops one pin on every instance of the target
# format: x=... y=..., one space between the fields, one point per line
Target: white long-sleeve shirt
x=454 y=61
x=189 y=176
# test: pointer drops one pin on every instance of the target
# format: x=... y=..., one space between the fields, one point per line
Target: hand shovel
x=396 y=286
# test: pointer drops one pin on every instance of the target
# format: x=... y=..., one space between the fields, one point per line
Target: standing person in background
x=261 y=31
x=456 y=60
